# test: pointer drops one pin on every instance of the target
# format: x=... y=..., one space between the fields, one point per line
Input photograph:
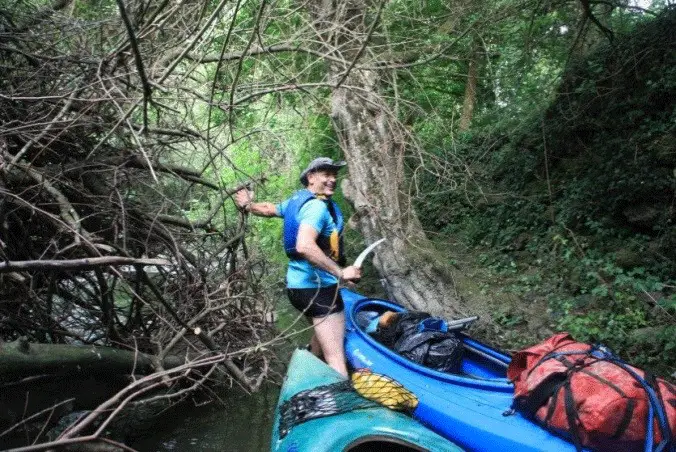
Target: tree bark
x=374 y=143
x=21 y=359
x=470 y=89
x=72 y=264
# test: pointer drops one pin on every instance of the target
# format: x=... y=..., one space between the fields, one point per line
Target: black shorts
x=316 y=302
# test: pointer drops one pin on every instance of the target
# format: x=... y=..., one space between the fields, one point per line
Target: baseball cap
x=320 y=163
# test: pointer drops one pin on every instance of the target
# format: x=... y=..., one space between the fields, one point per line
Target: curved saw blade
x=360 y=259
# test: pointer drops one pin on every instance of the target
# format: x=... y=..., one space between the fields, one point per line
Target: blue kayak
x=471 y=407
x=370 y=429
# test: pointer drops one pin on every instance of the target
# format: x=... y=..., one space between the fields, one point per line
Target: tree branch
x=72 y=264
x=147 y=91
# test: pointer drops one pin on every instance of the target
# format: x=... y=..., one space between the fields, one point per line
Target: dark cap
x=320 y=163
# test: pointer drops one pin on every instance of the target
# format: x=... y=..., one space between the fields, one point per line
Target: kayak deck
x=371 y=429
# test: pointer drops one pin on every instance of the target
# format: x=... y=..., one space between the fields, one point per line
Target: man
x=313 y=226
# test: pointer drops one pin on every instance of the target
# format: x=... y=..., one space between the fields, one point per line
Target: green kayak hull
x=367 y=429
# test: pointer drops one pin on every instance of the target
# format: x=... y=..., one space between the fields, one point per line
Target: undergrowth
x=572 y=213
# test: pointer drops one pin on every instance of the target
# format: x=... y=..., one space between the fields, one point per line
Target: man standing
x=313 y=226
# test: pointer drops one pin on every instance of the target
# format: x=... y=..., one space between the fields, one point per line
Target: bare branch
x=73 y=264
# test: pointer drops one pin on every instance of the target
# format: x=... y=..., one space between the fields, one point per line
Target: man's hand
x=351 y=273
x=243 y=198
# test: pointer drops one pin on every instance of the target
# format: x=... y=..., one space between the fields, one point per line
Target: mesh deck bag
x=322 y=401
x=365 y=390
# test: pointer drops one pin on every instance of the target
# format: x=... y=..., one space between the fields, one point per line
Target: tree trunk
x=20 y=359
x=470 y=89
x=373 y=143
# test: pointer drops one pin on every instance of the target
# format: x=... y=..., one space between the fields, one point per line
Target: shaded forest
x=534 y=141
x=577 y=202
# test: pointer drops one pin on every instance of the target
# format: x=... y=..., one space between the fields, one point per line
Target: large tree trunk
x=374 y=145
x=21 y=359
x=470 y=88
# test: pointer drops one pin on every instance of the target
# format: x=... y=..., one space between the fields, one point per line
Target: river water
x=243 y=423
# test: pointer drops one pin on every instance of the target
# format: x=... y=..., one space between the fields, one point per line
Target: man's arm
x=306 y=246
x=244 y=200
x=262 y=209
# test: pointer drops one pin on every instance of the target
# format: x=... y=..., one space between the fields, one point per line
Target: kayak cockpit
x=483 y=362
x=479 y=361
x=382 y=444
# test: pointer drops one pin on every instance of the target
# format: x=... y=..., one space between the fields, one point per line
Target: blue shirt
x=301 y=274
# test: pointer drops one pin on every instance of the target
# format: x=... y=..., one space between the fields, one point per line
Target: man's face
x=322 y=182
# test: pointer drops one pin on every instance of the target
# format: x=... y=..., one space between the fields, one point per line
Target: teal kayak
x=367 y=429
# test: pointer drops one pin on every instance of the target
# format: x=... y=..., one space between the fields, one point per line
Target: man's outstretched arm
x=244 y=200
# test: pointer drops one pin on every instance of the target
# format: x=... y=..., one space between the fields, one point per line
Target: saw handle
x=461 y=324
x=353 y=274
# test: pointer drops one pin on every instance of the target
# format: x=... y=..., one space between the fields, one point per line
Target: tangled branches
x=100 y=159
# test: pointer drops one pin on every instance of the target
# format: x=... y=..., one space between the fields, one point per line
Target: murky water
x=242 y=424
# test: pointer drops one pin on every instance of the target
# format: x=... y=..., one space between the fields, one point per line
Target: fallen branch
x=21 y=358
x=71 y=264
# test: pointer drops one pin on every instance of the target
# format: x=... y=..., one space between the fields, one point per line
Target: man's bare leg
x=315 y=347
x=330 y=333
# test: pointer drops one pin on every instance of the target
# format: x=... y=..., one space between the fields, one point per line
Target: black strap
x=605 y=382
x=671 y=388
x=551 y=409
x=581 y=367
x=528 y=405
x=648 y=382
x=624 y=423
x=631 y=404
x=555 y=354
x=571 y=414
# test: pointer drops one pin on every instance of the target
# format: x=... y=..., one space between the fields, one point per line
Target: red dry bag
x=590 y=396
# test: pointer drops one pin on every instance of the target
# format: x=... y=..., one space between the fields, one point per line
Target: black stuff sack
x=435 y=350
x=438 y=350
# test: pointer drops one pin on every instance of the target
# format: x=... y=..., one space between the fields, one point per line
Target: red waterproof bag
x=589 y=395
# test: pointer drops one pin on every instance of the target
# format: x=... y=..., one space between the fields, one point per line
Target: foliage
x=128 y=138
x=584 y=191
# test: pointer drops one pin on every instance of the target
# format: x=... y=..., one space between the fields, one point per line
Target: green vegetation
x=533 y=142
x=575 y=205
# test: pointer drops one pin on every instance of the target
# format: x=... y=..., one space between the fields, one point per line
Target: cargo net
x=322 y=401
x=366 y=390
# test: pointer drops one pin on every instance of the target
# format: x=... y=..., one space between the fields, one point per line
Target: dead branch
x=73 y=264
x=101 y=162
